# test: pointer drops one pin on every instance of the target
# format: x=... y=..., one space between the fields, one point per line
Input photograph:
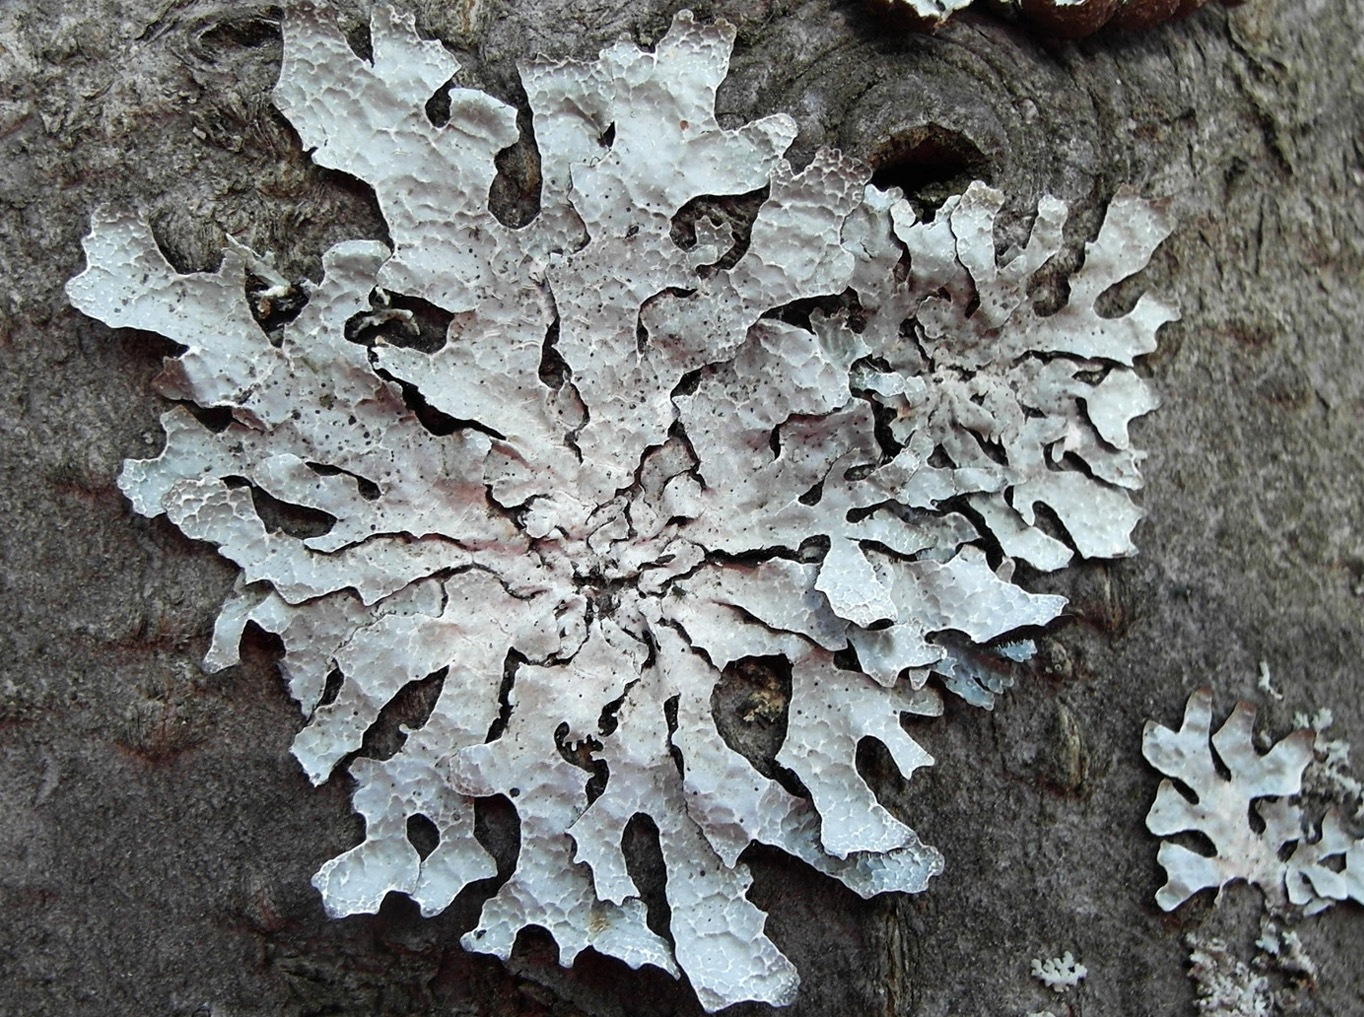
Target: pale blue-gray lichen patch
x=707 y=477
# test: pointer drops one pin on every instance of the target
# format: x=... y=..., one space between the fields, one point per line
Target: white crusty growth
x=716 y=472
x=1060 y=974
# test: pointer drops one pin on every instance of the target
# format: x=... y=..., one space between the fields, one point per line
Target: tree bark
x=158 y=839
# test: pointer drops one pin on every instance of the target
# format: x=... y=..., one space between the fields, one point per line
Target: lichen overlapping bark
x=1325 y=864
x=718 y=472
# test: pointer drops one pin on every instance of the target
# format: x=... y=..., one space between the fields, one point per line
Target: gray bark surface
x=156 y=838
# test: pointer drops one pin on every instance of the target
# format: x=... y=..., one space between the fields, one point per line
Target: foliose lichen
x=1294 y=858
x=633 y=464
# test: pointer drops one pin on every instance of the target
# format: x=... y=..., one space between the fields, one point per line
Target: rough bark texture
x=158 y=839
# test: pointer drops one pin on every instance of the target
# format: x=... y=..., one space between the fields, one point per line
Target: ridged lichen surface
x=648 y=448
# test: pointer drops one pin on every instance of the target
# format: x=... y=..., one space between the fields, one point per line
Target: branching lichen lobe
x=642 y=477
x=1325 y=863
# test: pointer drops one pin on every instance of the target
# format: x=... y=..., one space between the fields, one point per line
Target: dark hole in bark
x=498 y=829
x=510 y=663
x=215 y=418
x=582 y=755
x=514 y=197
x=798 y=312
x=295 y=520
x=362 y=203
x=554 y=370
x=368 y=489
x=333 y=687
x=408 y=710
x=437 y=421
x=644 y=862
x=1195 y=841
x=399 y=320
x=1220 y=767
x=813 y=548
x=993 y=450
x=360 y=42
x=1049 y=288
x=609 y=719
x=422 y=834
x=438 y=106
x=688 y=385
x=670 y=715
x=878 y=768
x=273 y=311
x=846 y=658
x=929 y=163
x=738 y=212
x=596 y=783
x=883 y=417
x=749 y=704
x=236 y=31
